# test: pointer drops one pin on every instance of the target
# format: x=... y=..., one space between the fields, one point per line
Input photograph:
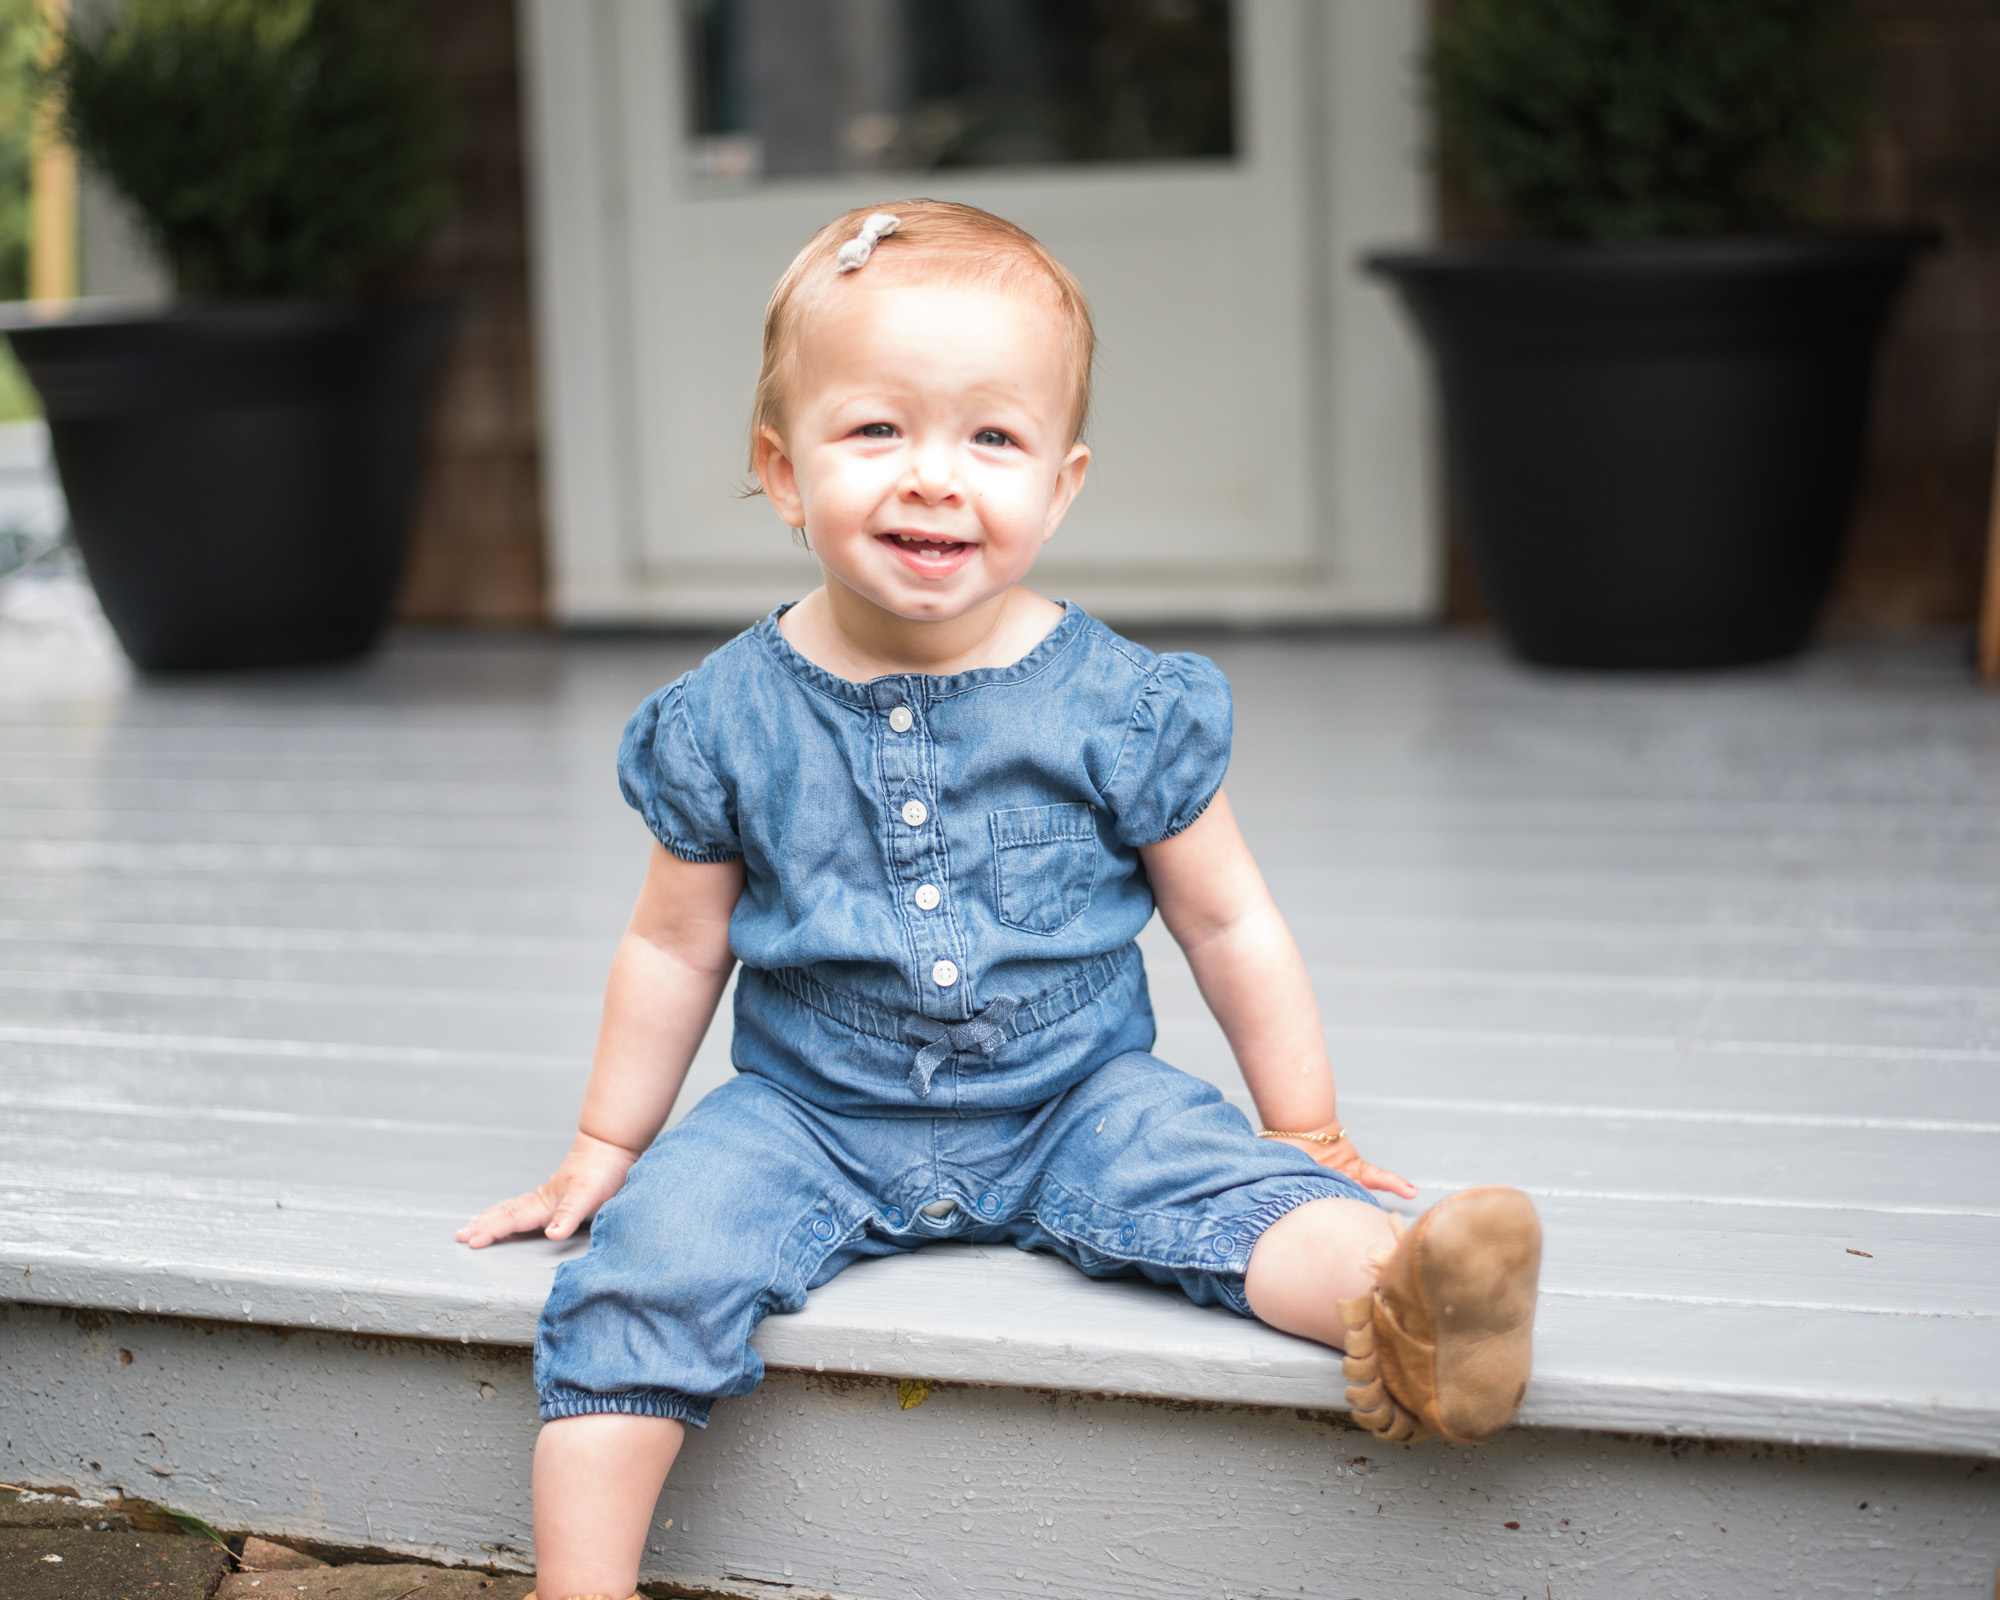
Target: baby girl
x=929 y=811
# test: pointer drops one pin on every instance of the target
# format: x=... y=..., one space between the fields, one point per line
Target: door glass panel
x=801 y=88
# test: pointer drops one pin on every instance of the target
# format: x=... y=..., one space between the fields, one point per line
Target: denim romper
x=941 y=1018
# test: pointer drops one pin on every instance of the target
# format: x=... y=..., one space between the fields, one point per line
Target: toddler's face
x=926 y=449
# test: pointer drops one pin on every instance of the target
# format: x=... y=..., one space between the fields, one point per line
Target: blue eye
x=992 y=438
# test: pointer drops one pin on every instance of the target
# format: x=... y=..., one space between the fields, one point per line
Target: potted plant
x=1654 y=406
x=240 y=464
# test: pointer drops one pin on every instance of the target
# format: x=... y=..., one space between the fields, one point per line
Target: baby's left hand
x=1344 y=1158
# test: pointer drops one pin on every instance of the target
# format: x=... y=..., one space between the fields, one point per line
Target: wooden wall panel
x=1931 y=153
x=476 y=552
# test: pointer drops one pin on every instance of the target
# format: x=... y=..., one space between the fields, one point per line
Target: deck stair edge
x=991 y=1315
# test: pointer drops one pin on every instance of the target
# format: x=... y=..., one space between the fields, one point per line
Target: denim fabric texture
x=939 y=1000
x=757 y=1195
x=919 y=847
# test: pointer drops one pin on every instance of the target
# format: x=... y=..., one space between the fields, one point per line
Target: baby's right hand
x=592 y=1172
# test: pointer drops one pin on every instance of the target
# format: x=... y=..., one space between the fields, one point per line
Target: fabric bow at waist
x=982 y=1033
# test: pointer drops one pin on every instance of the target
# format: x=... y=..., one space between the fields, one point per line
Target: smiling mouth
x=924 y=545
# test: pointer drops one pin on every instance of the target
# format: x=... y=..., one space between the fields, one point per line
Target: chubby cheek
x=1019 y=511
x=845 y=490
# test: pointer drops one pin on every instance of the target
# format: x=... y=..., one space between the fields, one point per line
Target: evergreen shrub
x=21 y=36
x=271 y=147
x=1610 y=119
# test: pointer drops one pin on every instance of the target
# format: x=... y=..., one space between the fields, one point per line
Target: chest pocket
x=1044 y=865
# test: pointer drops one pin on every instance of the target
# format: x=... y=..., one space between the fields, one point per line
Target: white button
x=944 y=974
x=927 y=897
x=914 y=812
x=901 y=720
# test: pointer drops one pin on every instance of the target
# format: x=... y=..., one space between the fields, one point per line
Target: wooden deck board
x=294 y=973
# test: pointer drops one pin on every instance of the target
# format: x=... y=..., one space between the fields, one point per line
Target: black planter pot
x=1654 y=445
x=240 y=474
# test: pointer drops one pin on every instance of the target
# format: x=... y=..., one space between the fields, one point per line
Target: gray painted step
x=295 y=973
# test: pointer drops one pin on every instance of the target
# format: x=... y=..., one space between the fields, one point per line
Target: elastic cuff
x=1250 y=1226
x=1191 y=818
x=699 y=855
x=666 y=1403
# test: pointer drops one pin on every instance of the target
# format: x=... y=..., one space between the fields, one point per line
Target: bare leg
x=1311 y=1259
x=597 y=1481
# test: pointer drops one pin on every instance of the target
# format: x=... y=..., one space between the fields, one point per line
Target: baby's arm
x=669 y=972
x=1214 y=902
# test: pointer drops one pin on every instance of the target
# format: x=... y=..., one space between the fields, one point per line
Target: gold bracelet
x=1317 y=1138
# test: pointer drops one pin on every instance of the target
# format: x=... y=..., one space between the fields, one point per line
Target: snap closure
x=893 y=1215
x=901 y=720
x=944 y=973
x=928 y=897
x=914 y=812
x=822 y=1229
x=989 y=1203
x=1127 y=1234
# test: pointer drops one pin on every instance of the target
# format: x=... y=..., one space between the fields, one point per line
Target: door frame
x=1374 y=487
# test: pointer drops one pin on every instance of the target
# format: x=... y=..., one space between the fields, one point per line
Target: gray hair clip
x=856 y=251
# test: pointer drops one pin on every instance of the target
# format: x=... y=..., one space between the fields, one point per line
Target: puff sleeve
x=1175 y=751
x=668 y=781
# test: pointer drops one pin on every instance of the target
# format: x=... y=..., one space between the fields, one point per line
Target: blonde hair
x=935 y=239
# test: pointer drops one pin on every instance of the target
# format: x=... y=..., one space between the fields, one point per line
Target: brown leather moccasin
x=1443 y=1345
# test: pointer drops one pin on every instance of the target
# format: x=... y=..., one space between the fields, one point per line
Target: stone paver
x=373 y=1583
x=81 y=1564
x=116 y=1561
x=261 y=1555
x=32 y=1509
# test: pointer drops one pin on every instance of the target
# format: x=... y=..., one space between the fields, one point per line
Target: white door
x=1259 y=436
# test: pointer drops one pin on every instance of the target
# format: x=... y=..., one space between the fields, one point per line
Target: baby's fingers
x=579 y=1202
x=522 y=1214
x=1374 y=1177
x=568 y=1216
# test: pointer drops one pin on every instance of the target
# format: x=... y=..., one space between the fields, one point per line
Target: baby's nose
x=933 y=476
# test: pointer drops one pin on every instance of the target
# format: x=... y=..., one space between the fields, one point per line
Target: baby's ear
x=1069 y=484
x=773 y=464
